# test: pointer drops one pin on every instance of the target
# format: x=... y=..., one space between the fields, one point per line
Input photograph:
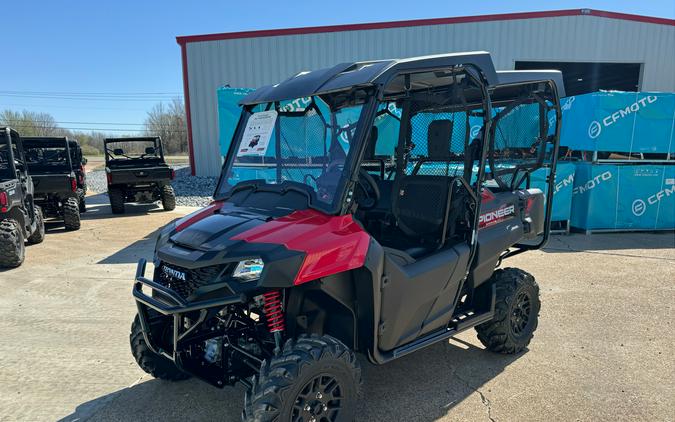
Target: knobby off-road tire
x=116 y=197
x=82 y=203
x=39 y=234
x=313 y=377
x=156 y=365
x=12 y=248
x=168 y=198
x=516 y=312
x=71 y=214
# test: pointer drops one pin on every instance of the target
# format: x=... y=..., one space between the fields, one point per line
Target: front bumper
x=168 y=303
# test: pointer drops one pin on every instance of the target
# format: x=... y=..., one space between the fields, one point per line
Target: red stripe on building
x=422 y=22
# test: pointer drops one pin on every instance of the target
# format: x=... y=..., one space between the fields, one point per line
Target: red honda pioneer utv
x=363 y=208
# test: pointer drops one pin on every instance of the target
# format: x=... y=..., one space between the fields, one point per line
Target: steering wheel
x=369 y=187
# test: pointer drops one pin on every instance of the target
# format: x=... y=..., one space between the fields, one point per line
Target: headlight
x=248 y=270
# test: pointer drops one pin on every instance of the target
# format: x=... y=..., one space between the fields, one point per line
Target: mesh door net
x=438 y=140
x=519 y=143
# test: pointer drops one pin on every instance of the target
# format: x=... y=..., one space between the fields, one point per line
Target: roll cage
x=35 y=147
x=111 y=156
x=542 y=88
x=11 y=153
x=492 y=97
x=340 y=83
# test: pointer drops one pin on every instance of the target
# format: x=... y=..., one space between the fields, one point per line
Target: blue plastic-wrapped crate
x=623 y=197
x=562 y=192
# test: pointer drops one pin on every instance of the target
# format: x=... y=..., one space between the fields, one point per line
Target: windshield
x=132 y=150
x=5 y=168
x=49 y=159
x=302 y=140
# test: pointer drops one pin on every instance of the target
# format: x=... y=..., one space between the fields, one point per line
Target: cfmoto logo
x=568 y=104
x=639 y=207
x=475 y=130
x=594 y=129
x=592 y=183
x=596 y=126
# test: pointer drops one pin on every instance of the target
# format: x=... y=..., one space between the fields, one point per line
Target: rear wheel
x=516 y=312
x=168 y=198
x=156 y=365
x=313 y=379
x=12 y=248
x=116 y=200
x=39 y=234
x=82 y=203
x=71 y=214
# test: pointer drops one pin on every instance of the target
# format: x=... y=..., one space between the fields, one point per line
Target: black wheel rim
x=319 y=400
x=520 y=313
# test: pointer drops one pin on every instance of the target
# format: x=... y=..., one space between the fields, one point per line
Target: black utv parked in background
x=20 y=218
x=50 y=165
x=79 y=161
x=137 y=172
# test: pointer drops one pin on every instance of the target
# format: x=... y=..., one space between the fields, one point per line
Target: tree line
x=166 y=120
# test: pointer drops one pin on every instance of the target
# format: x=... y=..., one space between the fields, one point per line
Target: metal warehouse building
x=595 y=50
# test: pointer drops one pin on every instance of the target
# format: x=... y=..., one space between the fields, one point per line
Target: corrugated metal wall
x=252 y=62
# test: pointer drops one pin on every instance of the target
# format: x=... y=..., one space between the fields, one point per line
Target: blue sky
x=119 y=48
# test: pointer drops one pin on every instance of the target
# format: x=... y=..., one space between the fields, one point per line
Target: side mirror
x=118 y=151
x=150 y=150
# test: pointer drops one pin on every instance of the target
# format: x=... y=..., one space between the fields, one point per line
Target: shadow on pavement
x=611 y=241
x=141 y=248
x=53 y=226
x=423 y=386
x=98 y=206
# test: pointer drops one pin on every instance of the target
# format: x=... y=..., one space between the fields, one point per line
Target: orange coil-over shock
x=274 y=312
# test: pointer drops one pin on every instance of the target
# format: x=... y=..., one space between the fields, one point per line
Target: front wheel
x=71 y=214
x=516 y=312
x=156 y=365
x=315 y=378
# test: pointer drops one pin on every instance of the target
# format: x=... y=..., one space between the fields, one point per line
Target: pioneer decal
x=497 y=216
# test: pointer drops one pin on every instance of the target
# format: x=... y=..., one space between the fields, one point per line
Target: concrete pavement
x=603 y=349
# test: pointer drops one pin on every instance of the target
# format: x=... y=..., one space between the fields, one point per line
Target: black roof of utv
x=44 y=141
x=133 y=139
x=4 y=130
x=508 y=77
x=345 y=75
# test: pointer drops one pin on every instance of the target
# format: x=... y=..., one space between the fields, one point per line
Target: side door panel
x=419 y=297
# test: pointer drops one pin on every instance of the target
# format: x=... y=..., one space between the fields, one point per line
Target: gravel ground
x=191 y=191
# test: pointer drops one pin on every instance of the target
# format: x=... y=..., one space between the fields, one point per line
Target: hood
x=215 y=231
x=298 y=247
x=208 y=237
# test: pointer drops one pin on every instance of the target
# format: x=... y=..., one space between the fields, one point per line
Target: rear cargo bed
x=139 y=175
